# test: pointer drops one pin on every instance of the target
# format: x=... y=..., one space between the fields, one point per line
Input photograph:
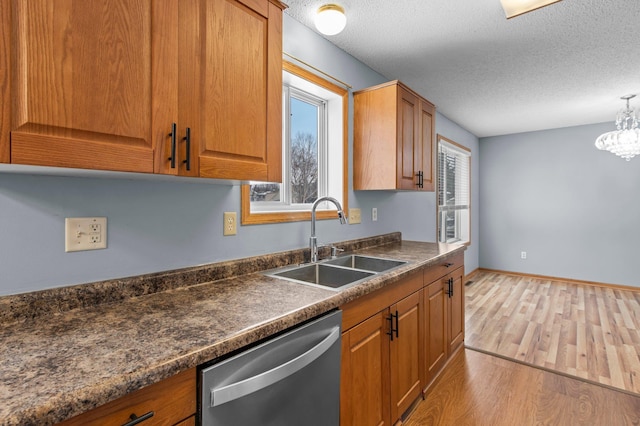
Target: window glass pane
x=453 y=193
x=312 y=134
x=450 y=179
x=304 y=151
x=269 y=192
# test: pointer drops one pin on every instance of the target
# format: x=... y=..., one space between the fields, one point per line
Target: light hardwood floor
x=477 y=389
x=579 y=330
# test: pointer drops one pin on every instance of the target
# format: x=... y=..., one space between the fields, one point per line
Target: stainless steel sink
x=336 y=273
x=367 y=263
x=325 y=275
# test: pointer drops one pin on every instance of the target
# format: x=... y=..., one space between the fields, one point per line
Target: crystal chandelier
x=624 y=142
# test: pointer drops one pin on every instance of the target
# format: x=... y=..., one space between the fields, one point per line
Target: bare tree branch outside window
x=304 y=168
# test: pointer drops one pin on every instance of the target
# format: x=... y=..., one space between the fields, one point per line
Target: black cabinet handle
x=390 y=332
x=391 y=328
x=136 y=420
x=448 y=265
x=397 y=325
x=187 y=138
x=173 y=145
x=450 y=287
x=420 y=177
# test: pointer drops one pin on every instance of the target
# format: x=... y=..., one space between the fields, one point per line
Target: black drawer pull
x=448 y=265
x=136 y=420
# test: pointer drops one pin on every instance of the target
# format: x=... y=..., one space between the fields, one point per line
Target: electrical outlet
x=354 y=216
x=85 y=233
x=523 y=255
x=230 y=221
x=374 y=214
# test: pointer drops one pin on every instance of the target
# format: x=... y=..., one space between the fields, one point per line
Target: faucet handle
x=335 y=250
x=343 y=217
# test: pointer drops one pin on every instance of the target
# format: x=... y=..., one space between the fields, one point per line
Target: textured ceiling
x=563 y=65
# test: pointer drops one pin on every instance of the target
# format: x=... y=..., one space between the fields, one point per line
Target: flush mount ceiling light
x=624 y=142
x=330 y=19
x=513 y=8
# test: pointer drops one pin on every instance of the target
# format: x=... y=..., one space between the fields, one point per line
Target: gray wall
x=572 y=208
x=155 y=224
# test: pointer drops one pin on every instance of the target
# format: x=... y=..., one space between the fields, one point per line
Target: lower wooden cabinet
x=444 y=321
x=406 y=353
x=397 y=340
x=364 y=390
x=172 y=402
x=436 y=310
x=382 y=354
x=456 y=310
x=191 y=421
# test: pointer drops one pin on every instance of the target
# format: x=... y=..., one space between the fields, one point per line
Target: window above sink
x=315 y=153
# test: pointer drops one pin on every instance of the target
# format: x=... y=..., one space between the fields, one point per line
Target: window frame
x=467 y=151
x=251 y=218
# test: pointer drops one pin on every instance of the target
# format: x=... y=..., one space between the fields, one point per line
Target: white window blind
x=454 y=164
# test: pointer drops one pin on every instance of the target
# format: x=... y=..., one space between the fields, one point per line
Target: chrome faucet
x=313 y=241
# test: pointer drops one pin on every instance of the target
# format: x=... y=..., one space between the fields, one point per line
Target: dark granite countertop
x=58 y=363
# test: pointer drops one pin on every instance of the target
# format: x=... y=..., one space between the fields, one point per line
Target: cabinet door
x=456 y=308
x=81 y=85
x=408 y=128
x=406 y=353
x=364 y=384
x=436 y=304
x=231 y=90
x=5 y=76
x=426 y=145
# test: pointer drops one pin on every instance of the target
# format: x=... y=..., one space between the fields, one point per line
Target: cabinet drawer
x=171 y=401
x=360 y=309
x=443 y=267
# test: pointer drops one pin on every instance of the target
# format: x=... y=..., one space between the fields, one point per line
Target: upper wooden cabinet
x=229 y=91
x=100 y=84
x=79 y=84
x=394 y=134
x=5 y=84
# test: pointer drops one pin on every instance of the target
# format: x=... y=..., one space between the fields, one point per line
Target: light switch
x=354 y=216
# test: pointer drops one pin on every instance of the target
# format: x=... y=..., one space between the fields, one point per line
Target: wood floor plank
x=477 y=389
x=588 y=331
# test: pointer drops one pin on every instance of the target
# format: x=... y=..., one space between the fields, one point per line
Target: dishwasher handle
x=242 y=388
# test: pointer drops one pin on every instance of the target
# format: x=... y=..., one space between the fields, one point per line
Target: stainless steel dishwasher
x=292 y=379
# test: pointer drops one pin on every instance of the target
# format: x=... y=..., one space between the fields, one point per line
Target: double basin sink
x=337 y=273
